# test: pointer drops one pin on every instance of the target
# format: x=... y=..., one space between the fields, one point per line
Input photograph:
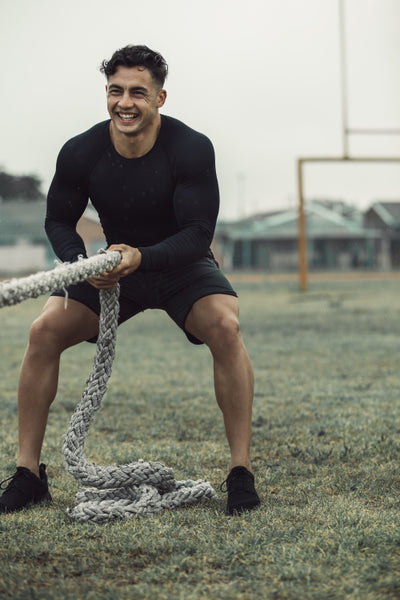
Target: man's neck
x=135 y=146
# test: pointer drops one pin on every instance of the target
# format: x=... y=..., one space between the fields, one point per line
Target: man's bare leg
x=214 y=320
x=55 y=330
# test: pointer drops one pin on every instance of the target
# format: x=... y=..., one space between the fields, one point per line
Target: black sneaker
x=242 y=495
x=24 y=489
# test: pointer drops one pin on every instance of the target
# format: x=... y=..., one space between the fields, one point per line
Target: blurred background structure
x=382 y=254
x=268 y=82
x=325 y=234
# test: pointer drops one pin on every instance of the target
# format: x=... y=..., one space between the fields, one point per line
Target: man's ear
x=162 y=96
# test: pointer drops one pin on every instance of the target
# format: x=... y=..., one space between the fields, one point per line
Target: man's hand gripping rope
x=130 y=261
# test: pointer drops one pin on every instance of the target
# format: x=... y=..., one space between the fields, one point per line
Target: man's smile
x=127 y=116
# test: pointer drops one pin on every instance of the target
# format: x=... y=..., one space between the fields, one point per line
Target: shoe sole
x=243 y=509
x=46 y=499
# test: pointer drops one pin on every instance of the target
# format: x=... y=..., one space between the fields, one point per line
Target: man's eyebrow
x=138 y=88
x=134 y=88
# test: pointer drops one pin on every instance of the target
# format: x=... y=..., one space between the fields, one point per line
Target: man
x=152 y=181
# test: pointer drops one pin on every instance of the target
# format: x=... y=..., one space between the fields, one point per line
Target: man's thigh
x=69 y=322
x=88 y=296
x=189 y=285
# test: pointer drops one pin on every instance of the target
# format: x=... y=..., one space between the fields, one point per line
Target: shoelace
x=5 y=481
x=11 y=479
x=231 y=477
x=246 y=484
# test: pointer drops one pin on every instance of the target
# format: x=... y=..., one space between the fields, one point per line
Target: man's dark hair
x=137 y=56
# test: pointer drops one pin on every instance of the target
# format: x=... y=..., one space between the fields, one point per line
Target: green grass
x=326 y=450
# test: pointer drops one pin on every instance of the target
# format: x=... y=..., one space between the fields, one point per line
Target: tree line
x=20 y=187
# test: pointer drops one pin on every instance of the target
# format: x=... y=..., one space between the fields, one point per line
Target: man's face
x=133 y=100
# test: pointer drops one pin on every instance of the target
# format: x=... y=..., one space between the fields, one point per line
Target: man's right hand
x=130 y=261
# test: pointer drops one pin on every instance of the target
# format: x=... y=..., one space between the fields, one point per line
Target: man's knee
x=214 y=320
x=222 y=331
x=44 y=334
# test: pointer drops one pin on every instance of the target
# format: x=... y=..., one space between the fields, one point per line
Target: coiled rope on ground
x=116 y=491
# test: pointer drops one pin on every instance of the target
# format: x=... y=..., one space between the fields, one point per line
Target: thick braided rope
x=15 y=290
x=117 y=491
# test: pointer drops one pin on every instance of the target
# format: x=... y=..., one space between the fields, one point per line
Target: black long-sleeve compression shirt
x=164 y=203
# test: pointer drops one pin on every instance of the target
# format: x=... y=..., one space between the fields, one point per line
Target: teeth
x=126 y=117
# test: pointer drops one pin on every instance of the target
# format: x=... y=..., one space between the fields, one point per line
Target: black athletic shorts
x=172 y=290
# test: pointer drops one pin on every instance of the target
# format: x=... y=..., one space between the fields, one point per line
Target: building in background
x=384 y=217
x=24 y=247
x=339 y=237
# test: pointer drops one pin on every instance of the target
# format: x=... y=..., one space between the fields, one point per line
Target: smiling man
x=152 y=180
x=133 y=102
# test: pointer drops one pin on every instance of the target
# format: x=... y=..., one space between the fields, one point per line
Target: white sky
x=261 y=78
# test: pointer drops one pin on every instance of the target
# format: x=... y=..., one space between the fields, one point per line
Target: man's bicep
x=196 y=192
x=196 y=204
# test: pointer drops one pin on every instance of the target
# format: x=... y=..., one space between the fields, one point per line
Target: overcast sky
x=261 y=78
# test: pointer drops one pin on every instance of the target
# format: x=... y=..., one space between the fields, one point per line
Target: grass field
x=326 y=450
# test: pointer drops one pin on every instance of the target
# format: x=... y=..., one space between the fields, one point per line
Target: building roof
x=321 y=222
x=388 y=212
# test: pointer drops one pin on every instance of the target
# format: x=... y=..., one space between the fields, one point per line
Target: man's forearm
x=66 y=242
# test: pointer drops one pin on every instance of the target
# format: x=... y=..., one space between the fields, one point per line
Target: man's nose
x=126 y=100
